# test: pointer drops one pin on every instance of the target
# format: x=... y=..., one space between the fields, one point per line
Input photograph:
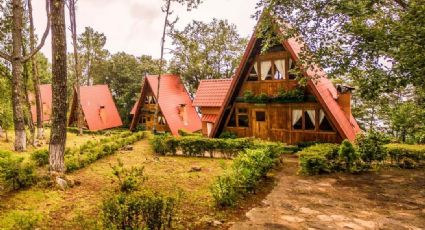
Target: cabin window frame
x=235 y=111
x=317 y=122
x=272 y=57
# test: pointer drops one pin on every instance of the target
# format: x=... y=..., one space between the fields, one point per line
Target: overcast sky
x=135 y=26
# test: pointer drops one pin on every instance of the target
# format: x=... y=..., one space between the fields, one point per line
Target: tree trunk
x=59 y=80
x=36 y=78
x=18 y=113
x=161 y=63
x=28 y=115
x=73 y=21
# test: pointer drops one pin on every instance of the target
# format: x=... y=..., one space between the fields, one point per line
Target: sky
x=135 y=26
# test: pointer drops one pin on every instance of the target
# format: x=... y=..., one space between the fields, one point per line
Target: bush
x=247 y=171
x=40 y=157
x=348 y=155
x=128 y=179
x=92 y=151
x=15 y=173
x=228 y=135
x=138 y=211
x=319 y=158
x=406 y=156
x=371 y=147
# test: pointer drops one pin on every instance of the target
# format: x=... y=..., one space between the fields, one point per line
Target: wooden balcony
x=270 y=87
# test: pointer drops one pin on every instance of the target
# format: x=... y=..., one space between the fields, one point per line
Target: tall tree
x=206 y=51
x=35 y=76
x=59 y=87
x=17 y=59
x=77 y=69
x=91 y=49
x=6 y=117
x=168 y=25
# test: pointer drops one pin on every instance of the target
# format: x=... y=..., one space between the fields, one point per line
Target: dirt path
x=389 y=199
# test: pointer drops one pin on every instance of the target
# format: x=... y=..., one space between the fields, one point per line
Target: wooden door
x=260 y=124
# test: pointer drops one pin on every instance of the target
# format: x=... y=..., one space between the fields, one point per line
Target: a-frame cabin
x=46 y=103
x=98 y=108
x=266 y=101
x=175 y=106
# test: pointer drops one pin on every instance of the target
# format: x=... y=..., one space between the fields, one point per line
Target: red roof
x=99 y=108
x=133 y=110
x=212 y=93
x=46 y=101
x=171 y=96
x=209 y=117
x=322 y=88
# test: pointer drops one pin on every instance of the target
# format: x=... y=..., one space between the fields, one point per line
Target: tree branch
x=401 y=3
x=5 y=56
x=43 y=39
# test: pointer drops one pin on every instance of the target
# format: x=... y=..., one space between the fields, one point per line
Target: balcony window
x=297 y=119
x=253 y=76
x=325 y=125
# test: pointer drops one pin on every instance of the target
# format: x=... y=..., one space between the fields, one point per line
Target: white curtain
x=280 y=64
x=265 y=68
x=209 y=128
x=321 y=116
x=312 y=115
x=296 y=115
x=256 y=68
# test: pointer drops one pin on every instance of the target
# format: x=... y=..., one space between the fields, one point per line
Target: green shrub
x=247 y=171
x=319 y=158
x=25 y=220
x=15 y=173
x=228 y=135
x=40 y=157
x=224 y=191
x=348 y=155
x=129 y=180
x=371 y=147
x=138 y=211
x=406 y=156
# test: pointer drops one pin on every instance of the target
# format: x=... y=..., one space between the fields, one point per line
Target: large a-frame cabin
x=266 y=101
x=176 y=111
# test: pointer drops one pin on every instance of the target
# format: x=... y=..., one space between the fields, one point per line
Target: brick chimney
x=344 y=99
x=183 y=113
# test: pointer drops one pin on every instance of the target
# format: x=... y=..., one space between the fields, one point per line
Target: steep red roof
x=209 y=118
x=99 y=108
x=46 y=101
x=171 y=96
x=133 y=110
x=322 y=88
x=212 y=93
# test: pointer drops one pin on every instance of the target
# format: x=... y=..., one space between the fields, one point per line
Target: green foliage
x=92 y=151
x=129 y=180
x=319 y=158
x=15 y=173
x=283 y=96
x=25 y=220
x=40 y=157
x=371 y=146
x=205 y=51
x=138 y=211
x=228 y=135
x=406 y=156
x=348 y=154
x=6 y=117
x=406 y=120
x=198 y=145
x=245 y=175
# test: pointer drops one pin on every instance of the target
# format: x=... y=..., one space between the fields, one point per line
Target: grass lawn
x=79 y=207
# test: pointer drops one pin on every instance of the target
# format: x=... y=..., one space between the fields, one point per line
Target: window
x=292 y=69
x=143 y=120
x=297 y=119
x=161 y=120
x=253 y=76
x=232 y=120
x=310 y=117
x=242 y=110
x=325 y=125
x=243 y=120
x=147 y=100
x=260 y=116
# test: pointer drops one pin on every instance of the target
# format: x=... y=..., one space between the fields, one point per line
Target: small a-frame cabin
x=175 y=106
x=209 y=99
x=98 y=108
x=46 y=103
x=266 y=101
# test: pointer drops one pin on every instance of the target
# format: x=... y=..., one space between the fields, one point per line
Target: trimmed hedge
x=15 y=173
x=199 y=146
x=91 y=151
x=245 y=175
x=406 y=156
x=319 y=158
